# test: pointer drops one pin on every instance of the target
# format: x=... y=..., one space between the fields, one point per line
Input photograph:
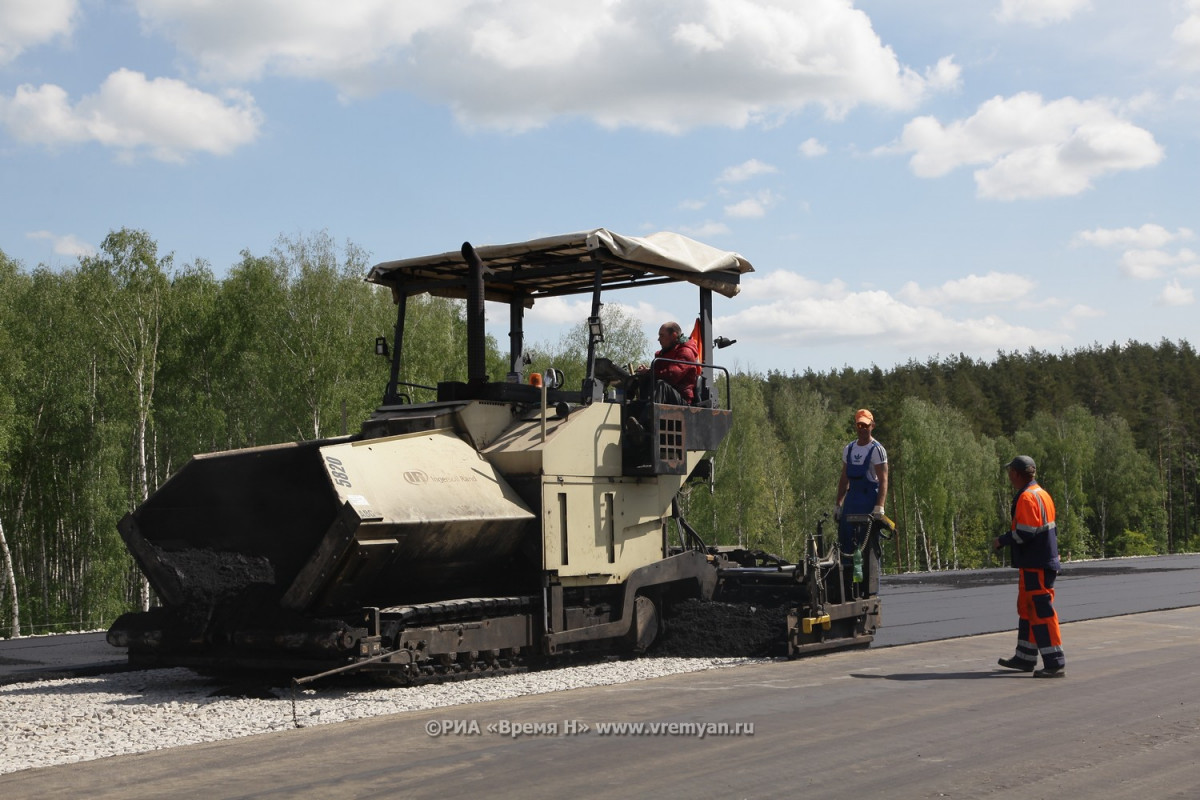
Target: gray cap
x=1021 y=464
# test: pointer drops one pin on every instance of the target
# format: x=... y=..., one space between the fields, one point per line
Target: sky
x=911 y=179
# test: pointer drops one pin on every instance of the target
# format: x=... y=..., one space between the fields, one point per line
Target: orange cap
x=863 y=415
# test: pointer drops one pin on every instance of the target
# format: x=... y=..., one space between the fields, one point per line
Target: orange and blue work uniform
x=862 y=492
x=1033 y=542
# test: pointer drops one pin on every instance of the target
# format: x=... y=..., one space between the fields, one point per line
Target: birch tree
x=190 y=416
x=10 y=375
x=249 y=381
x=130 y=314
x=746 y=465
x=1126 y=497
x=946 y=473
x=810 y=441
x=324 y=340
x=1064 y=447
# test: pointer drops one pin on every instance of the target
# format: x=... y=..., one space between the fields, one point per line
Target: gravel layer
x=64 y=721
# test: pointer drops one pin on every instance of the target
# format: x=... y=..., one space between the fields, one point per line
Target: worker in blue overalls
x=861 y=491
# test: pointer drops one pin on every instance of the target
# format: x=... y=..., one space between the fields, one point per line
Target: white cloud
x=1144 y=264
x=706 y=230
x=1147 y=236
x=1175 y=295
x=757 y=204
x=793 y=310
x=746 y=209
x=131 y=114
x=1039 y=12
x=68 y=245
x=559 y=311
x=1148 y=264
x=783 y=283
x=28 y=23
x=1079 y=312
x=240 y=40
x=745 y=171
x=752 y=207
x=1186 y=94
x=1146 y=256
x=945 y=75
x=994 y=287
x=812 y=148
x=1186 y=36
x=520 y=64
x=1030 y=148
x=1189 y=263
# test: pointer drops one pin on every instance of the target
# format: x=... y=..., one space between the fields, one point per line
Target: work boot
x=1051 y=672
x=1017 y=663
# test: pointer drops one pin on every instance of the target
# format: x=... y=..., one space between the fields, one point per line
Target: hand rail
x=701 y=365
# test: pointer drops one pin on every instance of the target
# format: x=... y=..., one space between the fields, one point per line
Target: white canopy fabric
x=670 y=254
x=566 y=264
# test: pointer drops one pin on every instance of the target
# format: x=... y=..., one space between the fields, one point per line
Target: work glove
x=877 y=512
x=837 y=513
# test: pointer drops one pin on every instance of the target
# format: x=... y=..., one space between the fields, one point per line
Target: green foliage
x=1126 y=491
x=1133 y=543
x=810 y=437
x=1136 y=464
x=12 y=285
x=940 y=473
x=116 y=372
x=753 y=504
x=11 y=374
x=322 y=346
x=1113 y=430
x=140 y=365
x=1064 y=447
x=624 y=344
x=66 y=486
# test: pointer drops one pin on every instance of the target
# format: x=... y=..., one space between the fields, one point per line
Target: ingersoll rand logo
x=415 y=476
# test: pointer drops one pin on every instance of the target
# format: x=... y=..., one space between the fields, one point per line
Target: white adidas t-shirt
x=854 y=453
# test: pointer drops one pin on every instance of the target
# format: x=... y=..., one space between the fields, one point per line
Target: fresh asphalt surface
x=934 y=718
x=928 y=606
x=917 y=607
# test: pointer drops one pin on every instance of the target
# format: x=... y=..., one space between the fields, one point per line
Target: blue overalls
x=859 y=500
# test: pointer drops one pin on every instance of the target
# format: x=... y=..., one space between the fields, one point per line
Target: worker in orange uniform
x=1033 y=541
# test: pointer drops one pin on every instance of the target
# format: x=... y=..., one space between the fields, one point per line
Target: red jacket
x=681 y=376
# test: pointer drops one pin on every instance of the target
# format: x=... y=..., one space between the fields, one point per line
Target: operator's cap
x=1021 y=464
x=862 y=415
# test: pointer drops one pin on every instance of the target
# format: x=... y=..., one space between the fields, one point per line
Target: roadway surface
x=934 y=718
x=917 y=607
x=927 y=606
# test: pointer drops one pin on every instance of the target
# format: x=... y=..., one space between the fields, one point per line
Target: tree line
x=775 y=476
x=114 y=372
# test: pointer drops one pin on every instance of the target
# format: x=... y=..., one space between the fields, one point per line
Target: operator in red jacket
x=675 y=369
x=1033 y=540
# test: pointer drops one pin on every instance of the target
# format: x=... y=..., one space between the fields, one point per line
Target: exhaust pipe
x=476 y=334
